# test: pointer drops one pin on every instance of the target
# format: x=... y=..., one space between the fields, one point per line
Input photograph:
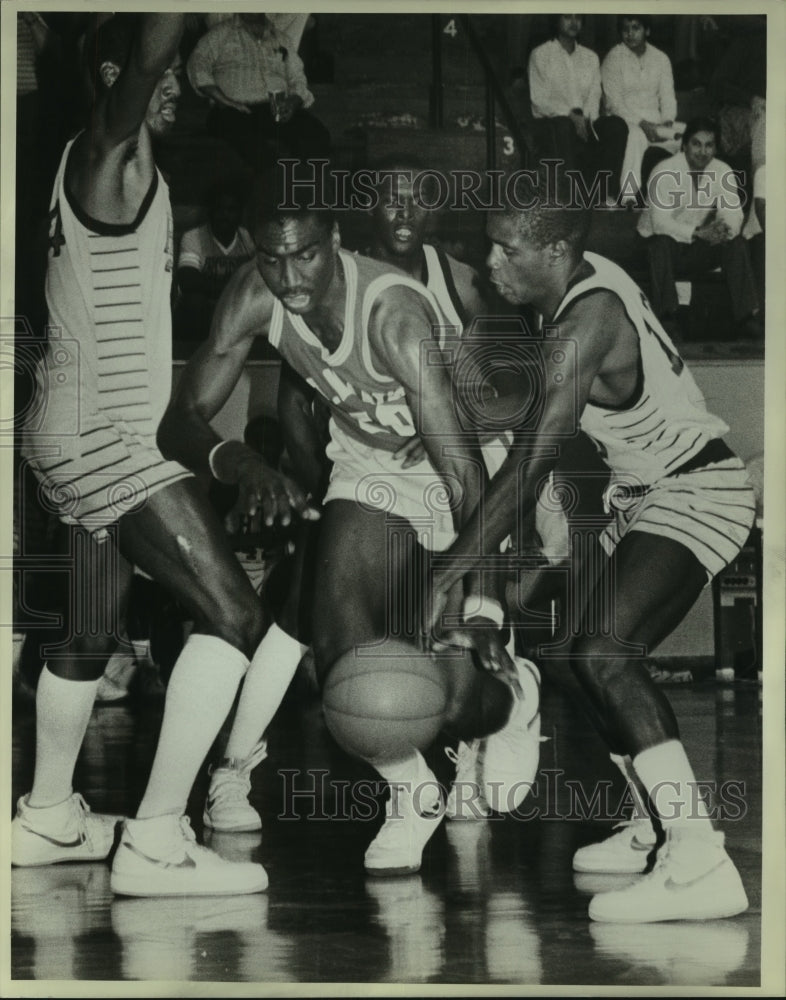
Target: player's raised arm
x=123 y=106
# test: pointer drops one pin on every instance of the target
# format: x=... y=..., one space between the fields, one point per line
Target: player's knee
x=84 y=659
x=594 y=664
x=241 y=623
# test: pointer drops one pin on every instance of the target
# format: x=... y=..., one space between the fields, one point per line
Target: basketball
x=382 y=702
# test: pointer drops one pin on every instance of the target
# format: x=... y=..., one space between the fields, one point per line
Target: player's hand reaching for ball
x=268 y=496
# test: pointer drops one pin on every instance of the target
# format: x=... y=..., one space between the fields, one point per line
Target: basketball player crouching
x=683 y=508
x=355 y=330
x=399 y=229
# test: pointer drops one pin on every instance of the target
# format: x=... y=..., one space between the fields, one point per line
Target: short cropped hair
x=286 y=192
x=645 y=20
x=405 y=161
x=550 y=216
x=701 y=124
x=554 y=22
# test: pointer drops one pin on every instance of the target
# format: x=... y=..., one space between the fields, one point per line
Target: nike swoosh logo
x=187 y=862
x=77 y=842
x=671 y=886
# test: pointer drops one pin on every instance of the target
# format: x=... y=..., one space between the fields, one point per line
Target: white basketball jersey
x=108 y=288
x=666 y=422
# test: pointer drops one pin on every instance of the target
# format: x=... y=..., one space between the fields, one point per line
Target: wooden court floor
x=496 y=902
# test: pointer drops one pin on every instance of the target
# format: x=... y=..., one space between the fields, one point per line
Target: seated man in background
x=638 y=85
x=209 y=256
x=692 y=224
x=565 y=90
x=259 y=91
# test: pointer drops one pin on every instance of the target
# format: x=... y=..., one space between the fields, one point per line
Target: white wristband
x=211 y=458
x=483 y=607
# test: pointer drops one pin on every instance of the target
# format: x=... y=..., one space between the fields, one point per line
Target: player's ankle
x=47 y=802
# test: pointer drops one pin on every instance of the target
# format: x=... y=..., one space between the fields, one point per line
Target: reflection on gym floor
x=495 y=902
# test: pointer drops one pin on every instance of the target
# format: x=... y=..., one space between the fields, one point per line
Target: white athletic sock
x=635 y=789
x=199 y=696
x=668 y=778
x=272 y=668
x=63 y=708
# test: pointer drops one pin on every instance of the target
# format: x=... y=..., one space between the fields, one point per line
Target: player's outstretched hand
x=268 y=496
x=485 y=639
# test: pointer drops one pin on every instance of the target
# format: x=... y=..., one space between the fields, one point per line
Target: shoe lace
x=187 y=830
x=232 y=783
x=464 y=757
x=229 y=785
x=81 y=811
x=189 y=836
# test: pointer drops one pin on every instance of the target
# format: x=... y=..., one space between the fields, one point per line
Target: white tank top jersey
x=108 y=287
x=666 y=422
x=366 y=403
x=106 y=376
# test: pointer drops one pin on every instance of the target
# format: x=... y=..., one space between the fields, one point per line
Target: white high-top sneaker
x=693 y=879
x=625 y=852
x=412 y=814
x=227 y=807
x=67 y=831
x=465 y=799
x=511 y=756
x=160 y=857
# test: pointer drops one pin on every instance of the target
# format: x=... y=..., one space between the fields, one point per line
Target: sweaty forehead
x=503 y=228
x=289 y=234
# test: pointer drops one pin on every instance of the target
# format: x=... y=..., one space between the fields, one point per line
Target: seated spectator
x=692 y=224
x=565 y=90
x=638 y=85
x=259 y=91
x=738 y=88
x=209 y=256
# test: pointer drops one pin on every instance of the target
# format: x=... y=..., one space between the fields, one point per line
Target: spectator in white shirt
x=259 y=91
x=692 y=224
x=565 y=91
x=209 y=256
x=638 y=86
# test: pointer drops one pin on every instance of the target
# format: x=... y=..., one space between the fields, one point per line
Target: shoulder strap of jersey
x=276 y=323
x=375 y=288
x=436 y=257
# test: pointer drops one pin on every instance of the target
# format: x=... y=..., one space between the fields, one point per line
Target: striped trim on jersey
x=710 y=510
